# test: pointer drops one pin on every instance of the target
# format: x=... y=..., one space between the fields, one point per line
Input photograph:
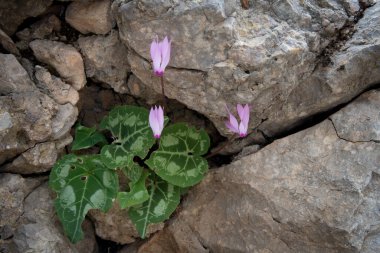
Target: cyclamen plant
x=159 y=160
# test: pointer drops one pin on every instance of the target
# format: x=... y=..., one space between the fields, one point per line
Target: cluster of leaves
x=84 y=182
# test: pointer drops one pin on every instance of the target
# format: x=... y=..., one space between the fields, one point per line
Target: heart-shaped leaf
x=87 y=137
x=81 y=183
x=178 y=159
x=137 y=193
x=130 y=127
x=163 y=200
x=133 y=173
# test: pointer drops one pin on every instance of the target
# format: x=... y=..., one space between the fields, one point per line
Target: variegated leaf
x=163 y=200
x=137 y=193
x=87 y=137
x=81 y=183
x=133 y=136
x=178 y=159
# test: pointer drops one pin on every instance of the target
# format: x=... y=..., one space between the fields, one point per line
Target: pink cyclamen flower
x=156 y=120
x=233 y=124
x=160 y=54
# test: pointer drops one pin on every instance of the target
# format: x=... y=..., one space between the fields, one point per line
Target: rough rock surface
x=39 y=158
x=90 y=16
x=40 y=231
x=41 y=29
x=139 y=89
x=64 y=58
x=26 y=118
x=13 y=190
x=7 y=43
x=13 y=13
x=29 y=117
x=13 y=77
x=105 y=59
x=288 y=59
x=116 y=226
x=60 y=91
x=360 y=120
x=308 y=192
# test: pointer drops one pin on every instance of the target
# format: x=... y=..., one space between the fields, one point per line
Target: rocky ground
x=307 y=178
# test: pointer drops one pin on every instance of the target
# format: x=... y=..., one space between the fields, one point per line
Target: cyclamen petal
x=240 y=110
x=234 y=126
x=160 y=118
x=245 y=116
x=160 y=54
x=155 y=54
x=156 y=120
x=165 y=53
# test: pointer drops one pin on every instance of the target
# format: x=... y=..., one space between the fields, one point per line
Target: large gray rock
x=65 y=118
x=13 y=77
x=7 y=43
x=53 y=86
x=13 y=191
x=90 y=16
x=105 y=59
x=25 y=119
x=273 y=56
x=41 y=29
x=308 y=192
x=28 y=118
x=360 y=120
x=40 y=231
x=39 y=158
x=65 y=59
x=13 y=13
x=138 y=89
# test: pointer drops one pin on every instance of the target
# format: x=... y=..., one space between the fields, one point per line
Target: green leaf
x=133 y=135
x=178 y=159
x=137 y=194
x=115 y=156
x=87 y=137
x=81 y=183
x=163 y=200
x=133 y=172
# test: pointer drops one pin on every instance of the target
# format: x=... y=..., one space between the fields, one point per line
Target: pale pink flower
x=160 y=54
x=232 y=124
x=156 y=120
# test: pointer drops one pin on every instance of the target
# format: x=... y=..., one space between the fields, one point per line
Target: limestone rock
x=13 y=13
x=105 y=59
x=271 y=56
x=139 y=89
x=360 y=120
x=90 y=16
x=26 y=118
x=13 y=190
x=65 y=118
x=116 y=226
x=13 y=77
x=29 y=117
x=65 y=59
x=60 y=91
x=41 y=29
x=40 y=230
x=7 y=43
x=39 y=158
x=308 y=192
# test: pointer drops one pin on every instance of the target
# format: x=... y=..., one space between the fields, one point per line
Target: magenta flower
x=160 y=53
x=156 y=120
x=233 y=124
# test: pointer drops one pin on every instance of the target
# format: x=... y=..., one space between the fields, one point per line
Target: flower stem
x=163 y=91
x=229 y=141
